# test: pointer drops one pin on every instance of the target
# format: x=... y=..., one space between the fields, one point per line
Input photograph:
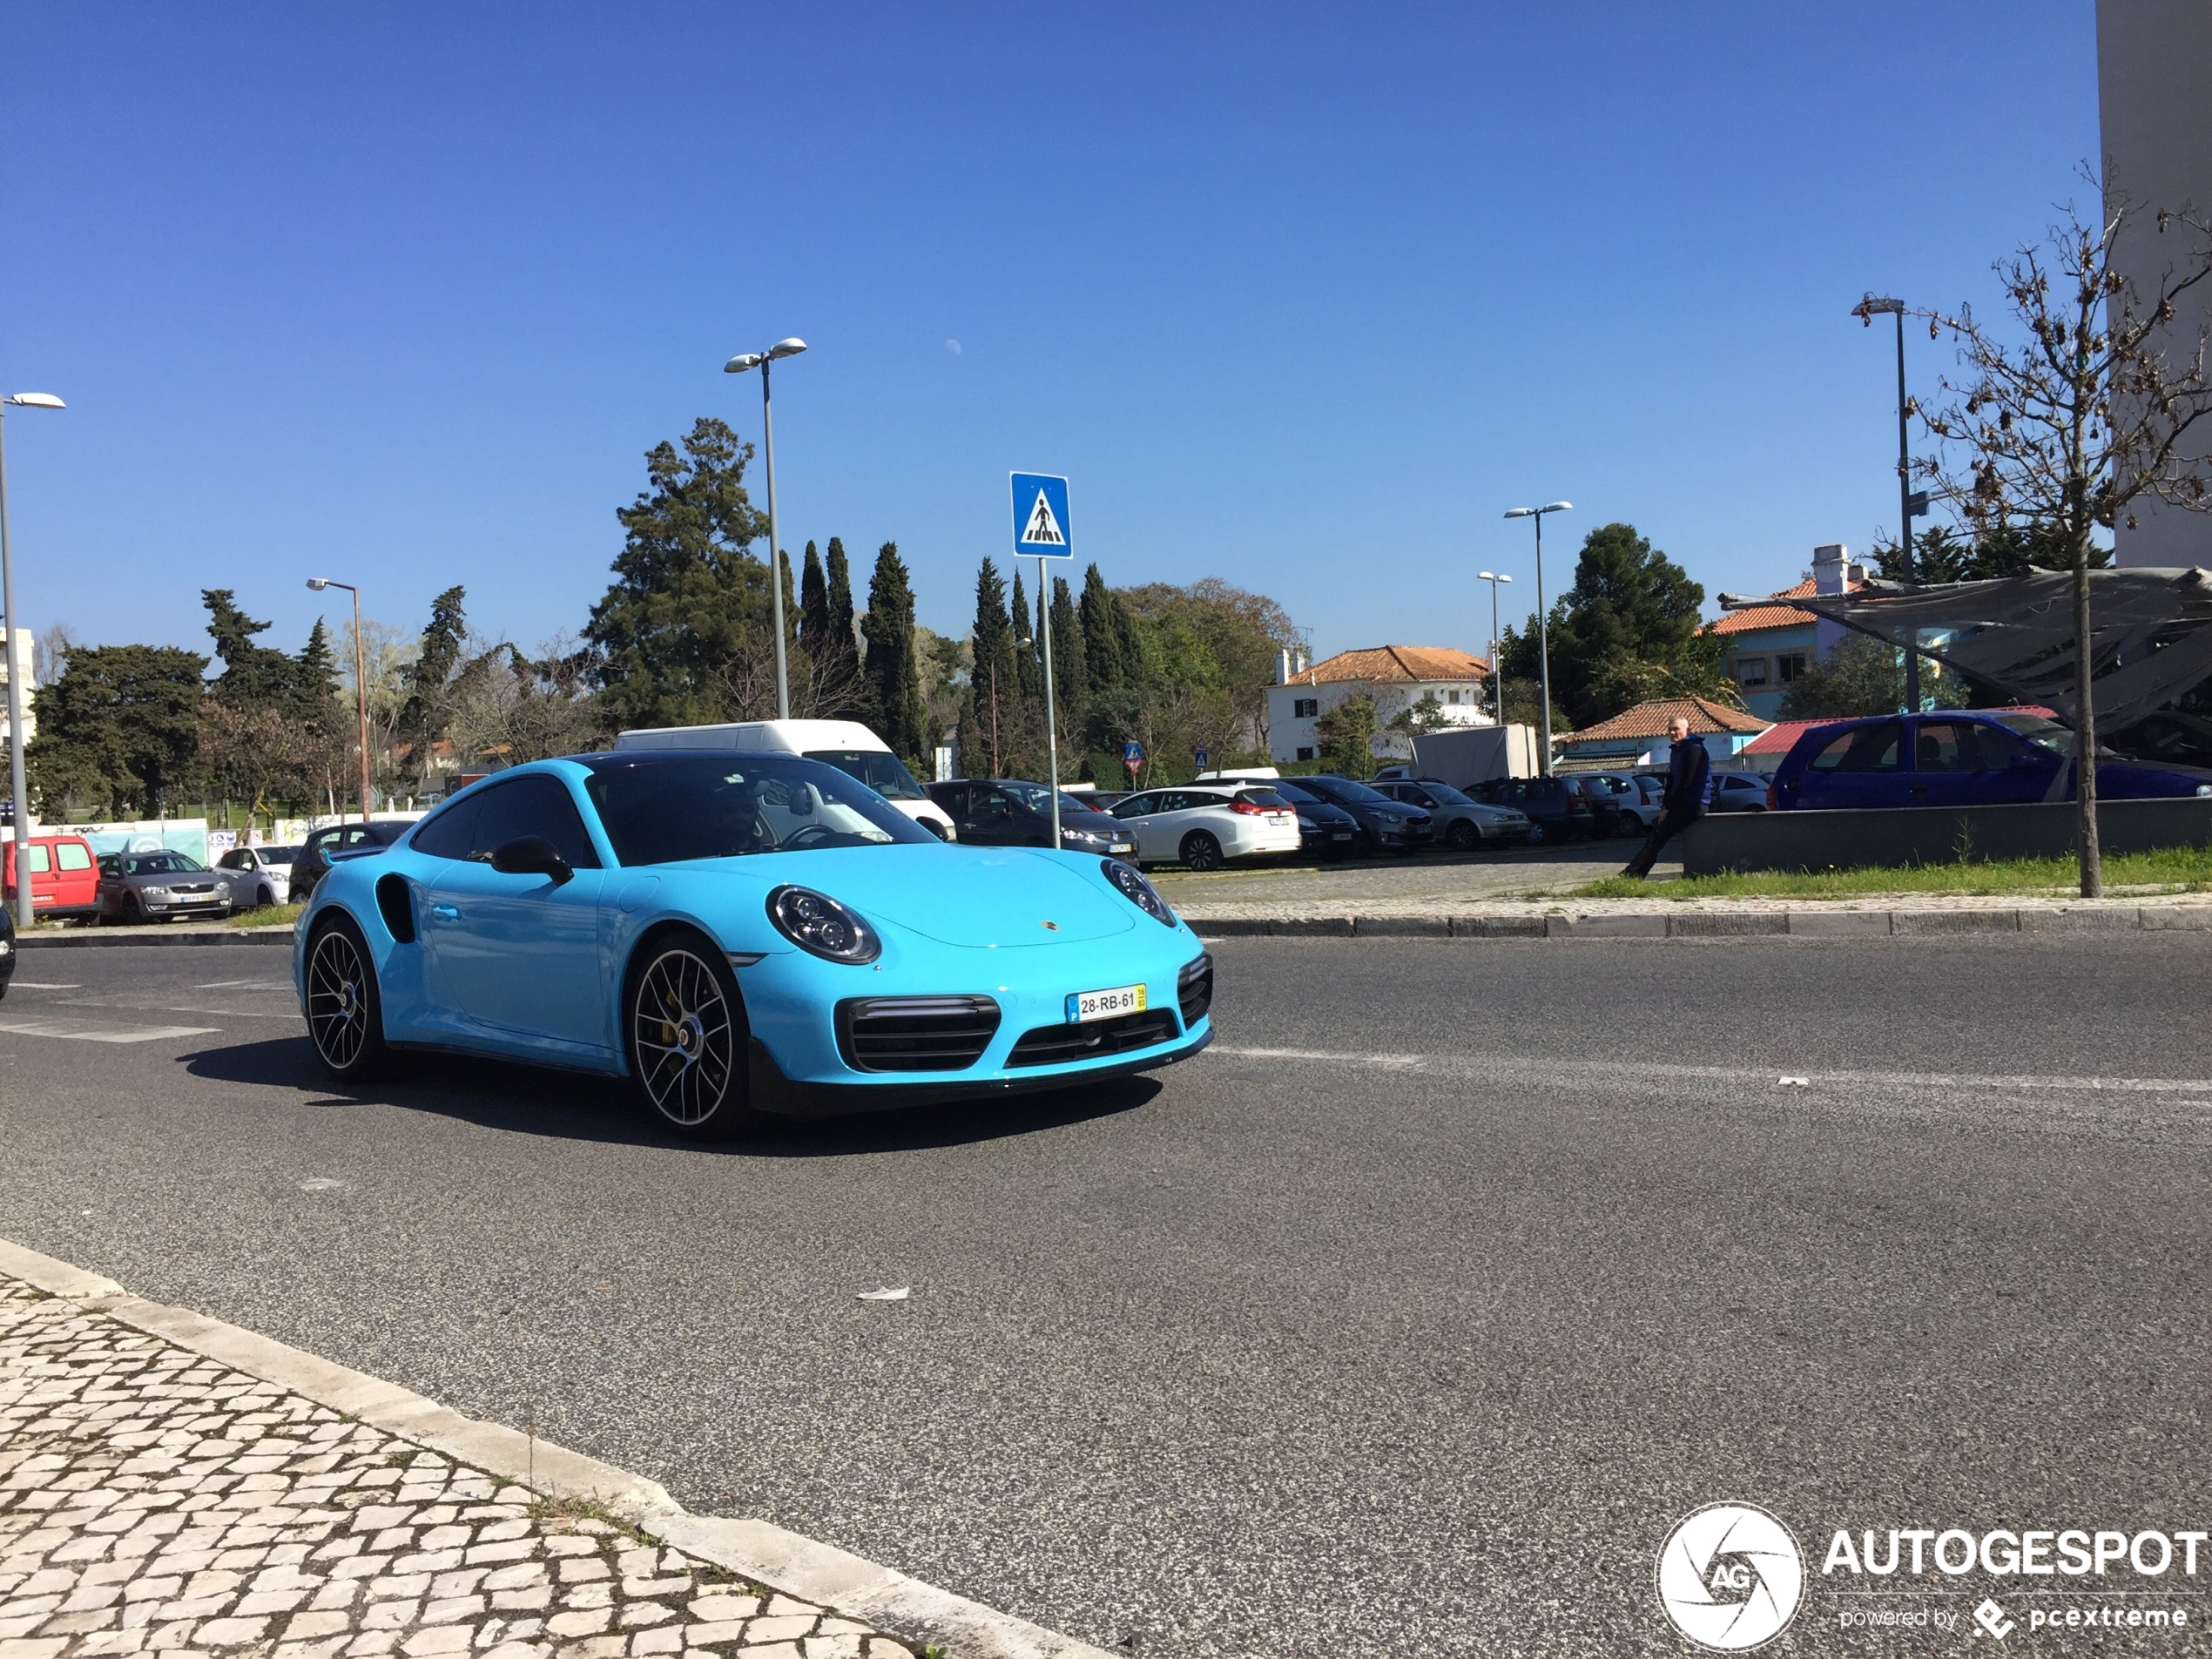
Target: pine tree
x=254 y=675
x=1102 y=672
x=436 y=655
x=901 y=721
x=987 y=724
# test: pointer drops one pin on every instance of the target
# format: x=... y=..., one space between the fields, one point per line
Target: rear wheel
x=1201 y=851
x=1537 y=833
x=345 y=1010
x=688 y=1040
x=1461 y=836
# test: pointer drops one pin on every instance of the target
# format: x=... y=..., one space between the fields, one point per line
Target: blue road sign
x=1040 y=528
x=1132 y=753
x=1199 y=755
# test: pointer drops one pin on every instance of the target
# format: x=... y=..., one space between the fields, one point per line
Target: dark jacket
x=1689 y=777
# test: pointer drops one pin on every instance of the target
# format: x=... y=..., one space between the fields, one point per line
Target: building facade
x=15 y=662
x=1394 y=677
x=1768 y=646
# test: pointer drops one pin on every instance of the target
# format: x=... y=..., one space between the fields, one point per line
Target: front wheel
x=688 y=1041
x=1201 y=851
x=1462 y=837
x=345 y=1009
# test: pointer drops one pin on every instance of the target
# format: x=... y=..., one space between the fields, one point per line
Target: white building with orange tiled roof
x=1394 y=677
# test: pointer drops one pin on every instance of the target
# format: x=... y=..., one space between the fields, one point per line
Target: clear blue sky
x=1302 y=296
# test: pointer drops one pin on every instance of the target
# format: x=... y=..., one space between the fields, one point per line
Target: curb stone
x=1707 y=924
x=96 y=938
x=787 y=1561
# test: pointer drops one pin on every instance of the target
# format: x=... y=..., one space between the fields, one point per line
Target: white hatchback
x=1201 y=827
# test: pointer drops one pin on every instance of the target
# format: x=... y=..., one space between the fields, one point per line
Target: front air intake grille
x=1054 y=1045
x=915 y=1033
x=1194 y=989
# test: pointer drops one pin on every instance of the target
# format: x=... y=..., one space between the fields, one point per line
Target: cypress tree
x=1070 y=673
x=814 y=605
x=986 y=723
x=840 y=596
x=315 y=681
x=901 y=720
x=1102 y=672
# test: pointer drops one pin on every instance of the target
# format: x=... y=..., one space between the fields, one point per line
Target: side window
x=537 y=805
x=952 y=796
x=72 y=855
x=1135 y=806
x=995 y=803
x=1419 y=797
x=40 y=864
x=1866 y=748
x=450 y=831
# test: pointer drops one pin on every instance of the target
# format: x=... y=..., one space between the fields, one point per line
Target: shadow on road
x=526 y=1100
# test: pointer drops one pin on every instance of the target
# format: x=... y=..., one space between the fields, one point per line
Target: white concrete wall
x=2154 y=81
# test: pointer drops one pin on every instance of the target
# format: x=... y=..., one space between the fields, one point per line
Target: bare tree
x=504 y=706
x=49 y=651
x=2067 y=429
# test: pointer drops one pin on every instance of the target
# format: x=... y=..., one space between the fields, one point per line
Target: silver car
x=157 y=886
x=261 y=875
x=1462 y=822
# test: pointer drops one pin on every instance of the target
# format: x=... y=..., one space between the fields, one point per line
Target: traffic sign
x=1200 y=756
x=1041 y=527
x=1132 y=753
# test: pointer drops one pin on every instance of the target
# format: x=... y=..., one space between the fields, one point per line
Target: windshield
x=1038 y=799
x=1447 y=796
x=1345 y=789
x=278 y=854
x=161 y=864
x=663 y=809
x=879 y=770
x=2057 y=739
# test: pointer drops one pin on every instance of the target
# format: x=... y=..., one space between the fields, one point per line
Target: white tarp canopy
x=2150 y=633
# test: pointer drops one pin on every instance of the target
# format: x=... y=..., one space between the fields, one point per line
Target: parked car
x=7 y=947
x=313 y=861
x=1462 y=822
x=1556 y=810
x=1635 y=798
x=1325 y=831
x=852 y=748
x=1739 y=792
x=261 y=875
x=1957 y=758
x=64 y=876
x=160 y=885
x=1006 y=811
x=1201 y=826
x=1385 y=826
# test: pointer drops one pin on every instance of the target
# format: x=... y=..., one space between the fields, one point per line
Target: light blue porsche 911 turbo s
x=746 y=936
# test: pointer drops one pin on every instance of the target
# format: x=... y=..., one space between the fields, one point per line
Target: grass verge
x=268 y=915
x=2173 y=869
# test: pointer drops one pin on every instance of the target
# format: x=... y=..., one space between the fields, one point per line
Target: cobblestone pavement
x=154 y=1500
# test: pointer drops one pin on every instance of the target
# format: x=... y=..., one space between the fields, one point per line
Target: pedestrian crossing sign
x=1041 y=527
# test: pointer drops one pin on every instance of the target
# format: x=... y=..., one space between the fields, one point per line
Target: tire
x=345 y=1008
x=1200 y=851
x=265 y=898
x=1461 y=836
x=1538 y=835
x=684 y=1029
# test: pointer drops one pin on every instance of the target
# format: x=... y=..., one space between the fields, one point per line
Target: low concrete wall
x=1851 y=841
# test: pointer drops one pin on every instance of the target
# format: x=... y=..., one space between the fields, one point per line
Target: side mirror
x=531 y=855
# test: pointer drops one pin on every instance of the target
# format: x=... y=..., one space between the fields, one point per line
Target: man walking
x=1690 y=791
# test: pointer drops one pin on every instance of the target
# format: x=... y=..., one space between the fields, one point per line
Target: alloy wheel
x=337 y=999
x=684 y=1037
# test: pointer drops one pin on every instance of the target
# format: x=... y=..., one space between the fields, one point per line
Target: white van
x=846 y=744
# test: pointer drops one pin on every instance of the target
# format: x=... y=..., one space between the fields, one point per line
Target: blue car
x=744 y=935
x=1958 y=758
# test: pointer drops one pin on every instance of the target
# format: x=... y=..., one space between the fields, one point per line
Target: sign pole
x=1051 y=723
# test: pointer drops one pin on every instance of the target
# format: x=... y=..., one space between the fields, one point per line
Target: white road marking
x=45 y=985
x=321 y=1183
x=1655 y=1070
x=93 y=1031
x=248 y=985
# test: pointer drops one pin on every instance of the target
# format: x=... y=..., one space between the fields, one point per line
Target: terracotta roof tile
x=1649 y=720
x=1402 y=663
x=1754 y=618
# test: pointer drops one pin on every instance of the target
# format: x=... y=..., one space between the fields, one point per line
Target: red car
x=65 y=880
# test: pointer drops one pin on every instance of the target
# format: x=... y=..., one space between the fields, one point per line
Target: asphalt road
x=1405 y=1322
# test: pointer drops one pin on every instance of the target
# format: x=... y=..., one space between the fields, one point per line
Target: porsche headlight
x=1138 y=891
x=816 y=922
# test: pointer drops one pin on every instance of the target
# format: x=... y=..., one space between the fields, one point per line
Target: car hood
x=1095 y=823
x=978 y=897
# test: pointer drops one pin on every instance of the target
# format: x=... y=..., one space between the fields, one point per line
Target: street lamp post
x=1497 y=674
x=19 y=797
x=360 y=679
x=1866 y=310
x=760 y=359
x=1543 y=627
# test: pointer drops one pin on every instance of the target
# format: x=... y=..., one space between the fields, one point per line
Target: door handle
x=445 y=913
x=1916 y=789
